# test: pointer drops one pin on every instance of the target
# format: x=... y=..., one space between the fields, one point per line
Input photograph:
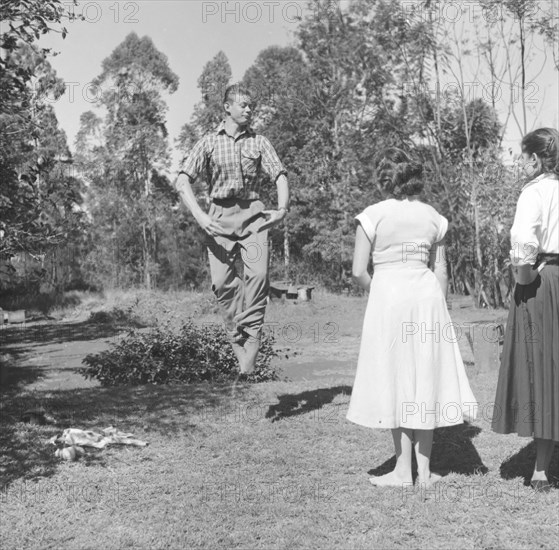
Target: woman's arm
x=437 y=263
x=361 y=255
x=525 y=242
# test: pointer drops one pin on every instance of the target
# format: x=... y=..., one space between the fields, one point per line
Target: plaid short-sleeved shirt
x=233 y=165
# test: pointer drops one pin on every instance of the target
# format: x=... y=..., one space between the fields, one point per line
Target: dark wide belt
x=548 y=258
x=230 y=201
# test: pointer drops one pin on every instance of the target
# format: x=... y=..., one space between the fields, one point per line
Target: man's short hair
x=236 y=90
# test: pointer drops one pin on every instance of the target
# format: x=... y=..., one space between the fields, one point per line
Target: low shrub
x=161 y=356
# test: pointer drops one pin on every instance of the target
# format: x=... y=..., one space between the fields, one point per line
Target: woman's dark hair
x=399 y=174
x=545 y=143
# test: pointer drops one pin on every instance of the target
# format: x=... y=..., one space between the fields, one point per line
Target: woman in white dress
x=410 y=376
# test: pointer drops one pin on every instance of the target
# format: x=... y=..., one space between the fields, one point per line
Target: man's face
x=240 y=110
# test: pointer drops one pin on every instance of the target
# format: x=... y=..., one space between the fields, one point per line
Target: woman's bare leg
x=544 y=452
x=403 y=443
x=423 y=445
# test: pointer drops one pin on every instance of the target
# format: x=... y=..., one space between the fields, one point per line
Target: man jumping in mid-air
x=233 y=158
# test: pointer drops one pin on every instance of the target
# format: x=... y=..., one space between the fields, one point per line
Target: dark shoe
x=541 y=485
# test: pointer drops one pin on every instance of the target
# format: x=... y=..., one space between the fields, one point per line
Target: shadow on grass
x=17 y=341
x=453 y=451
x=57 y=333
x=25 y=452
x=14 y=378
x=522 y=465
x=304 y=402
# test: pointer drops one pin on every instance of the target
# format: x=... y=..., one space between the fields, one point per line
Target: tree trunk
x=145 y=236
x=145 y=253
x=155 y=254
x=452 y=278
x=116 y=281
x=286 y=254
x=523 y=69
x=437 y=88
x=469 y=288
x=479 y=257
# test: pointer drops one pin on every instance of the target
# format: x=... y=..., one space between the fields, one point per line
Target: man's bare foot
x=240 y=354
x=428 y=481
x=390 y=480
x=237 y=385
x=251 y=347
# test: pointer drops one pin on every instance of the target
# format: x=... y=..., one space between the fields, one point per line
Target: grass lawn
x=275 y=465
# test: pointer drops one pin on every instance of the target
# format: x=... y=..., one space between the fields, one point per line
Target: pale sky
x=192 y=32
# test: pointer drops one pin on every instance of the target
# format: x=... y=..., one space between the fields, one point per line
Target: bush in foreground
x=160 y=356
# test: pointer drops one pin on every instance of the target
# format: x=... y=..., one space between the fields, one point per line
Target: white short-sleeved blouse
x=536 y=222
x=402 y=230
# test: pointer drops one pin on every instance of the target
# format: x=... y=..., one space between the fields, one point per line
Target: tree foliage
x=40 y=198
x=123 y=156
x=359 y=77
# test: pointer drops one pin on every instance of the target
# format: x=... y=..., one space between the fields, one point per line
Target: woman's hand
x=525 y=274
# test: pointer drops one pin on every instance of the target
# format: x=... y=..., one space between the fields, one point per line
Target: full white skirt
x=410 y=372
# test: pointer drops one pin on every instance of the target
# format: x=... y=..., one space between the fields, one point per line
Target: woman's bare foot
x=428 y=481
x=391 y=479
x=540 y=485
x=539 y=482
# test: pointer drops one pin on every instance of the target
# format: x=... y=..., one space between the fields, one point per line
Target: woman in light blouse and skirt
x=527 y=398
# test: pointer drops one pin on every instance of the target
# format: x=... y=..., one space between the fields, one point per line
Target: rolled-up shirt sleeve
x=525 y=234
x=195 y=162
x=271 y=164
